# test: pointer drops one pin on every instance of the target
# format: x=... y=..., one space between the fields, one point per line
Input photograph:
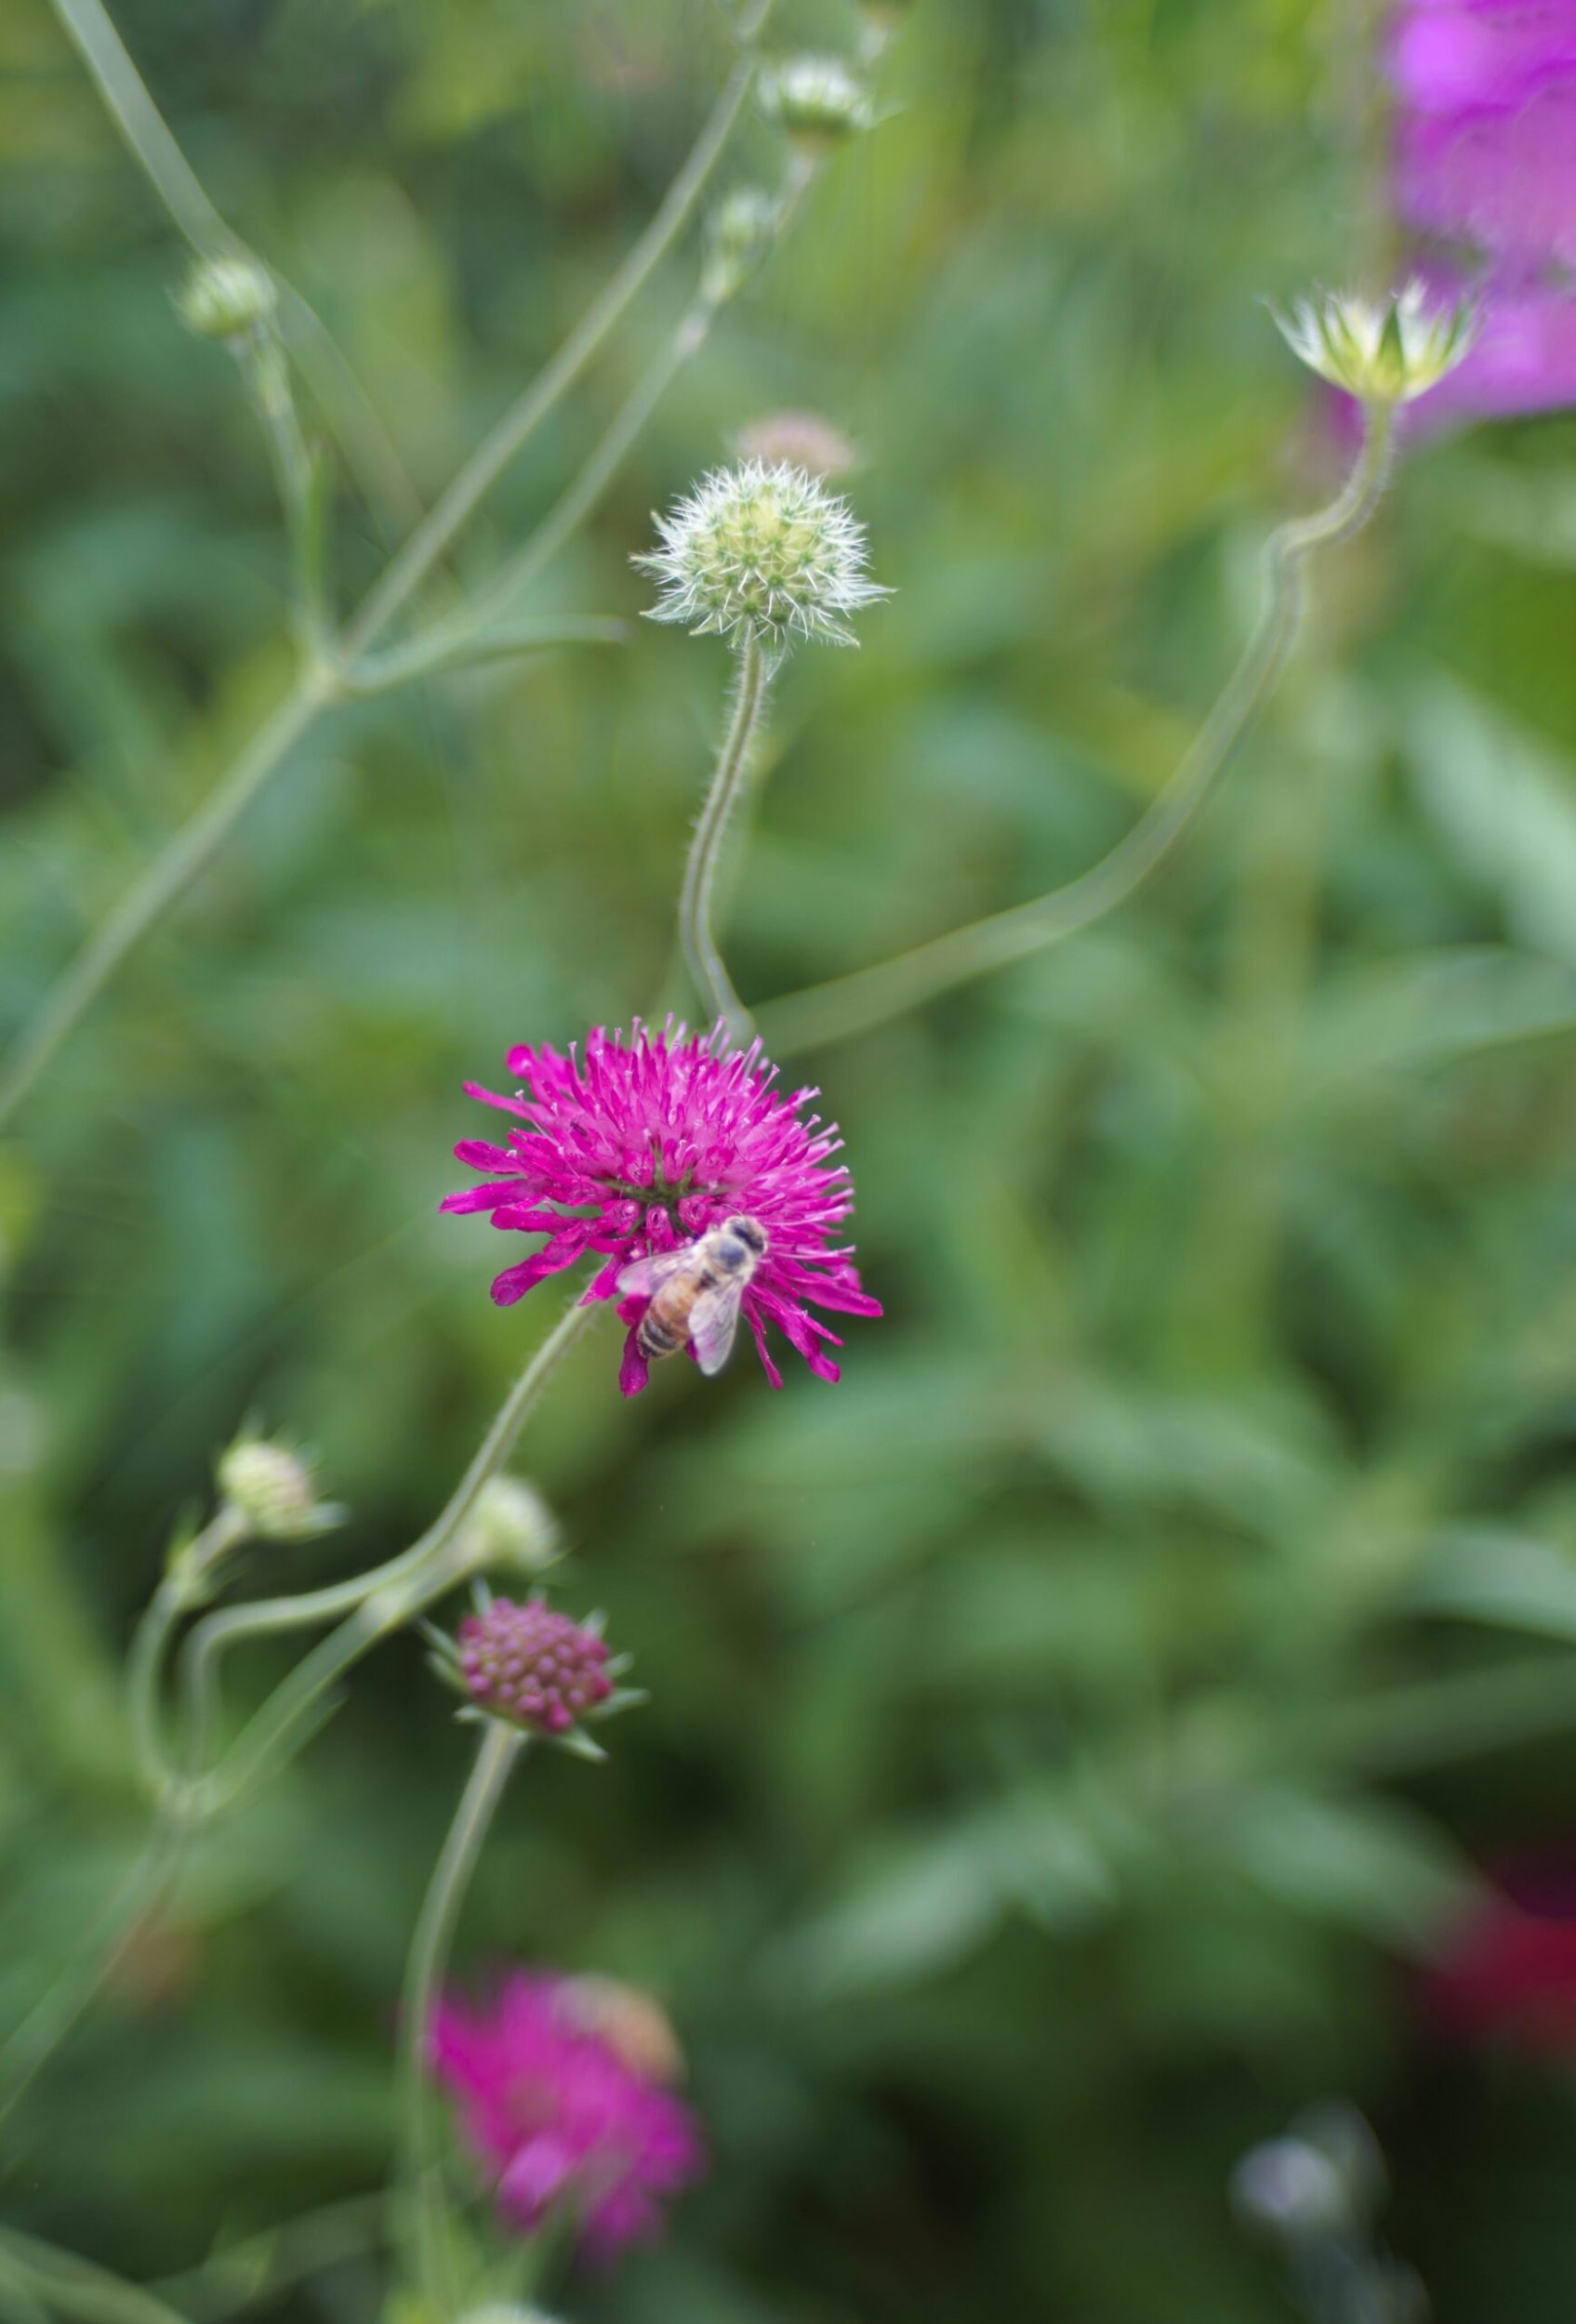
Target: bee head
x=750 y=1231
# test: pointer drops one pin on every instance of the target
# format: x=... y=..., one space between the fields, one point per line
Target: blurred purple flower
x=1485 y=154
x=655 y=1139
x=562 y=2115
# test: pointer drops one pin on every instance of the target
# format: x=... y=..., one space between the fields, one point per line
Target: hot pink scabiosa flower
x=562 y=2115
x=643 y=1145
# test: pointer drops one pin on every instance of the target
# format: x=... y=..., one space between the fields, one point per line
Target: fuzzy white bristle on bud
x=224 y=298
x=273 y=1490
x=765 y=552
x=1383 y=351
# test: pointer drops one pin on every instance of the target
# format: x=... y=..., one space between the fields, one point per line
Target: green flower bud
x=817 y=100
x=1383 y=351
x=272 y=1489
x=224 y=298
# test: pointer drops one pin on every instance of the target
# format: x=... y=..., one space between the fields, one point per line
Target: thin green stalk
x=421 y=2170
x=376 y=1603
x=380 y=1601
x=301 y=480
x=846 y=1004
x=181 y=1588
x=458 y=640
x=464 y=647
x=368 y=445
x=157 y=887
x=499 y=449
x=711 y=978
x=192 y=848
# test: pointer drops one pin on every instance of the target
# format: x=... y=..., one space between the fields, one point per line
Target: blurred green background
x=1070 y=1733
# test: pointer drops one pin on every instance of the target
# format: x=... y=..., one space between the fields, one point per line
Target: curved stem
x=181 y=1588
x=467 y=633
x=422 y=2171
x=166 y=878
x=493 y=455
x=371 y=454
x=706 y=967
x=852 y=1004
x=379 y=1602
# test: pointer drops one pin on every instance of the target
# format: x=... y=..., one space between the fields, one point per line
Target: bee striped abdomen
x=657 y=1337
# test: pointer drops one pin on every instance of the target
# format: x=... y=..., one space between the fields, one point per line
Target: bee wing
x=645 y=1276
x=713 y=1320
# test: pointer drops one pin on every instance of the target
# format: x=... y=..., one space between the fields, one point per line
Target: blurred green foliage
x=1066 y=1732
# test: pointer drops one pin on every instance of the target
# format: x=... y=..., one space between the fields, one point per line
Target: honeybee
x=697 y=1292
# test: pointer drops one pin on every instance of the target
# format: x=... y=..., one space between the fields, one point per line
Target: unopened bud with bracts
x=227 y=299
x=536 y=1668
x=272 y=1488
x=816 y=101
x=739 y=233
x=1383 y=351
x=764 y=552
x=509 y=1524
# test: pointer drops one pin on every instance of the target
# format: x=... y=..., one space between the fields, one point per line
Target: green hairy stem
x=695 y=934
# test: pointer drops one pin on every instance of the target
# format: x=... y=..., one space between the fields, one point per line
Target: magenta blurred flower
x=1486 y=124
x=1524 y=360
x=562 y=2115
x=1465 y=57
x=1508 y=1972
x=642 y=1145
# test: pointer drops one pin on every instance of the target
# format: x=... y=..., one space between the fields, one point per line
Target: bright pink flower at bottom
x=644 y=1144
x=560 y=2117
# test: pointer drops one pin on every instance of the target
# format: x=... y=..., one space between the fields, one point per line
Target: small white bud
x=224 y=298
x=762 y=551
x=1383 y=351
x=509 y=1525
x=817 y=102
x=272 y=1488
